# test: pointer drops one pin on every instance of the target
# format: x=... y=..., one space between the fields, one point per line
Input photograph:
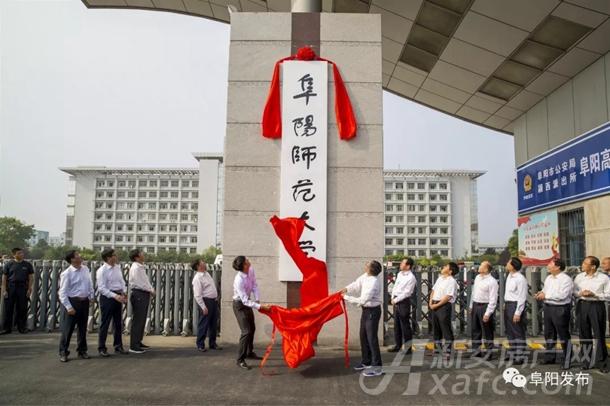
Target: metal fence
x=172 y=311
x=427 y=276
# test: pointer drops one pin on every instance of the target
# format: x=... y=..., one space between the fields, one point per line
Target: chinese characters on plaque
x=304 y=157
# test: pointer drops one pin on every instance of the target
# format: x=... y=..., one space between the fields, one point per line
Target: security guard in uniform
x=17 y=282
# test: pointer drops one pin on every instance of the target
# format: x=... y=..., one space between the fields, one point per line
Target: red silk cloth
x=300 y=327
x=272 y=114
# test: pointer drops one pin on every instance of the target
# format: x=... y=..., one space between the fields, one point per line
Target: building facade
x=39 y=235
x=155 y=209
x=429 y=213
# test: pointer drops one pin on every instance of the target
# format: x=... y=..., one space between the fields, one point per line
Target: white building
x=156 y=209
x=430 y=213
x=38 y=235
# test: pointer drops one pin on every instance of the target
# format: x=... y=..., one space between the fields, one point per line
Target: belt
x=211 y=298
x=480 y=303
x=371 y=307
x=139 y=290
x=509 y=302
x=118 y=292
x=590 y=301
x=79 y=299
x=556 y=305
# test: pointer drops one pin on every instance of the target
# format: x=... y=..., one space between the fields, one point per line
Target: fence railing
x=172 y=311
x=427 y=276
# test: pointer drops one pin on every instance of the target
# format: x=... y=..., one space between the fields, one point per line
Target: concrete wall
x=252 y=163
x=578 y=106
x=207 y=215
x=84 y=211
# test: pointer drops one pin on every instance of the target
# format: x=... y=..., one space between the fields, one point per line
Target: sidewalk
x=175 y=373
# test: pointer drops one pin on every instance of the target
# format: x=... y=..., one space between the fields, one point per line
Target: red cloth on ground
x=272 y=114
x=300 y=327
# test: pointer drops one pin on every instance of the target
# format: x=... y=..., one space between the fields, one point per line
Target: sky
x=141 y=88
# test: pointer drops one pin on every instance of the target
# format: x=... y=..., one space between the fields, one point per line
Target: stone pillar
x=252 y=163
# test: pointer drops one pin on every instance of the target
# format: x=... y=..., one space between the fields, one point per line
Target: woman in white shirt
x=368 y=289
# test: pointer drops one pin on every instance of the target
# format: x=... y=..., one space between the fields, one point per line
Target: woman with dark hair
x=368 y=289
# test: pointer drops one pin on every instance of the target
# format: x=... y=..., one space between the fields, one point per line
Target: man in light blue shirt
x=75 y=294
x=113 y=294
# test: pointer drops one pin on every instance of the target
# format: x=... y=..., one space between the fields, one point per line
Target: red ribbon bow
x=272 y=115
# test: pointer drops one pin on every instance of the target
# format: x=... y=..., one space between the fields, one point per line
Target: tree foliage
x=14 y=234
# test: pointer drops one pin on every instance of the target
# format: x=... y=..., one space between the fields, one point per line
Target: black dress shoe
x=144 y=346
x=215 y=347
x=394 y=349
x=24 y=331
x=120 y=350
x=243 y=365
x=253 y=355
x=3 y=332
x=202 y=349
x=104 y=354
x=63 y=358
x=603 y=369
x=83 y=355
x=409 y=351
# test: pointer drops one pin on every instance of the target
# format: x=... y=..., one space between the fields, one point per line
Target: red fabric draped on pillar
x=272 y=114
x=300 y=327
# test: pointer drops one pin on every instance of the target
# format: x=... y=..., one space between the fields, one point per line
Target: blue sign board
x=576 y=170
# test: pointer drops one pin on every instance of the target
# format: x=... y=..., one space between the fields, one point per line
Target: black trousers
x=402 y=323
x=369 y=343
x=441 y=327
x=591 y=318
x=208 y=323
x=557 y=324
x=111 y=311
x=139 y=310
x=481 y=332
x=245 y=319
x=515 y=332
x=79 y=319
x=17 y=299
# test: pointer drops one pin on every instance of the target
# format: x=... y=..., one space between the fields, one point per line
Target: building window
x=444 y=253
x=388 y=185
x=422 y=230
x=432 y=186
x=442 y=197
x=388 y=219
x=422 y=253
x=388 y=241
x=410 y=196
x=410 y=207
x=174 y=183
x=421 y=186
x=572 y=236
x=432 y=198
x=421 y=219
x=142 y=183
x=152 y=183
x=389 y=230
x=398 y=185
x=399 y=241
x=185 y=183
x=410 y=185
x=389 y=207
x=400 y=219
x=164 y=183
x=411 y=253
x=400 y=196
x=444 y=241
x=421 y=196
x=399 y=230
x=421 y=241
x=442 y=186
x=195 y=183
x=411 y=241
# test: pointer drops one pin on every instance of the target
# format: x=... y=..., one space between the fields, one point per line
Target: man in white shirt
x=443 y=295
x=557 y=297
x=592 y=291
x=366 y=292
x=401 y=300
x=483 y=302
x=244 y=286
x=112 y=295
x=606 y=269
x=515 y=321
x=141 y=292
x=75 y=294
x=206 y=296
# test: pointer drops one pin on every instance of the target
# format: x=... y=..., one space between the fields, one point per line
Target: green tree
x=38 y=250
x=209 y=254
x=14 y=233
x=513 y=243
